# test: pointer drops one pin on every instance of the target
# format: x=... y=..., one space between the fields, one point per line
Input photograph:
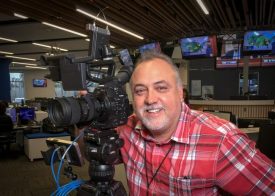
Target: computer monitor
x=25 y=115
x=12 y=113
x=221 y=114
x=252 y=122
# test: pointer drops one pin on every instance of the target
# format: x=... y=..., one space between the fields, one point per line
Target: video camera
x=103 y=110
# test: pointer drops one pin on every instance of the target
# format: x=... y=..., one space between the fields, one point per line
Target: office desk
x=250 y=130
x=34 y=143
x=19 y=131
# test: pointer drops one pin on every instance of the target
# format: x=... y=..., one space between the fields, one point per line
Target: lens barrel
x=68 y=110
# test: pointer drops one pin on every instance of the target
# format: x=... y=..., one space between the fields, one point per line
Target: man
x=6 y=125
x=172 y=150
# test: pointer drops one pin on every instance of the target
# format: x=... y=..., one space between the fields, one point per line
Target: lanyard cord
x=145 y=165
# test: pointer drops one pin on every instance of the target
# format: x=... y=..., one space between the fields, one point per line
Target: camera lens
x=64 y=111
x=68 y=110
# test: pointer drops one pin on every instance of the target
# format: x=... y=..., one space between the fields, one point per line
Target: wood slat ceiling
x=161 y=20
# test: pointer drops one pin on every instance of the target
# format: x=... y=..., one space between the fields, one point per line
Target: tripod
x=102 y=151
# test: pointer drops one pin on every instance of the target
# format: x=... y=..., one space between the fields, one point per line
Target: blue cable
x=52 y=167
x=65 y=189
x=67 y=150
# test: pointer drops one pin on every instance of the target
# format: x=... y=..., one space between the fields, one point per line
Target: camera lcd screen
x=125 y=57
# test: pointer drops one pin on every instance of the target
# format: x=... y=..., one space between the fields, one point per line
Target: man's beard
x=156 y=124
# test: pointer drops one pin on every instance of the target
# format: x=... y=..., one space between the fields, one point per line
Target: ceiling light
x=9 y=40
x=111 y=46
x=17 y=57
x=64 y=29
x=3 y=52
x=21 y=63
x=204 y=9
x=110 y=24
x=34 y=67
x=20 y=16
x=47 y=46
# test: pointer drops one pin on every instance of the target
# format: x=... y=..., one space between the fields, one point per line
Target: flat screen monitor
x=203 y=46
x=150 y=47
x=39 y=82
x=26 y=115
x=12 y=113
x=231 y=50
x=125 y=57
x=268 y=60
x=230 y=55
x=259 y=42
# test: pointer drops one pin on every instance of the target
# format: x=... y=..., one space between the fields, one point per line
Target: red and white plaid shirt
x=208 y=155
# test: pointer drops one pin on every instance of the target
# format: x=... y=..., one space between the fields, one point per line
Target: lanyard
x=156 y=172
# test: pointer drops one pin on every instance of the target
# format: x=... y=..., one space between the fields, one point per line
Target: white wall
x=32 y=92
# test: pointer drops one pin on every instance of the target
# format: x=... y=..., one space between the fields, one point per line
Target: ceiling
x=155 y=20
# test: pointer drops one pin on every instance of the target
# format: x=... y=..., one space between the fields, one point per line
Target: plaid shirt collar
x=179 y=135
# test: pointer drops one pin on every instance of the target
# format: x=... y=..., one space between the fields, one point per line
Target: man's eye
x=139 y=91
x=162 y=88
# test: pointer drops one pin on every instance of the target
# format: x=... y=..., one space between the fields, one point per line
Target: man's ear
x=180 y=93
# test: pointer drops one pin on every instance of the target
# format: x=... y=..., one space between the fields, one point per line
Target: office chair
x=5 y=141
x=266 y=140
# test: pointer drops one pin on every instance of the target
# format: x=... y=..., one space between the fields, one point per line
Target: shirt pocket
x=190 y=186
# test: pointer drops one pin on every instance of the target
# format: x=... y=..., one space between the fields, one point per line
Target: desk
x=36 y=142
x=250 y=130
x=19 y=131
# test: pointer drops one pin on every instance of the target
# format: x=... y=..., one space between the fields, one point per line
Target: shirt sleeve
x=242 y=169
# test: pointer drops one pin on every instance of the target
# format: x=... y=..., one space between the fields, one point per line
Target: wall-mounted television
x=203 y=46
x=231 y=50
x=151 y=46
x=268 y=60
x=259 y=42
x=39 y=82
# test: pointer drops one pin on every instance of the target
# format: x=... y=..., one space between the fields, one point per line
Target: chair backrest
x=266 y=140
x=5 y=137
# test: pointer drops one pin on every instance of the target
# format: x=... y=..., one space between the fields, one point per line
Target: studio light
x=204 y=9
x=21 y=63
x=47 y=46
x=34 y=67
x=23 y=58
x=20 y=16
x=4 y=52
x=8 y=40
x=64 y=29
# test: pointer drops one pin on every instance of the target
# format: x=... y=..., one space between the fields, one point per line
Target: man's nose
x=151 y=97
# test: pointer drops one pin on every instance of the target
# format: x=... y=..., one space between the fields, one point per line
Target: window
x=17 y=86
x=59 y=91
